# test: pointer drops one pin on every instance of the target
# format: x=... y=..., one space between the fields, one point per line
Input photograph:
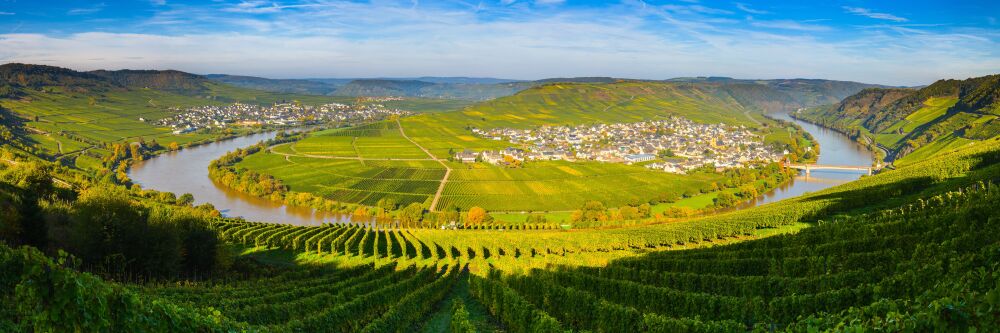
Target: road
x=55 y=180
x=447 y=169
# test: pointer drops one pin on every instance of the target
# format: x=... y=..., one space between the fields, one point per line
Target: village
x=281 y=114
x=674 y=145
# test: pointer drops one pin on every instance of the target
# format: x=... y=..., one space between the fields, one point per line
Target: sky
x=885 y=42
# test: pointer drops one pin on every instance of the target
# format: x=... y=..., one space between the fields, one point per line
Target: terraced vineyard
x=912 y=268
x=915 y=124
x=909 y=263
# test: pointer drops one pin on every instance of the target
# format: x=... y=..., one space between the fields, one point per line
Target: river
x=186 y=171
x=834 y=149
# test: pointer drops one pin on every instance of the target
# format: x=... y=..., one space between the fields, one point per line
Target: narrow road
x=271 y=149
x=747 y=113
x=447 y=169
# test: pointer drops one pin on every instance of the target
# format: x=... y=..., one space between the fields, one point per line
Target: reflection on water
x=186 y=171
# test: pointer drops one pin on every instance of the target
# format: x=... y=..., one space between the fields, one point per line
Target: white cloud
x=86 y=10
x=789 y=25
x=870 y=14
x=254 y=7
x=745 y=8
x=352 y=39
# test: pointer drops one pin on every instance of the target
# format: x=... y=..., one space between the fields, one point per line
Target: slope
x=910 y=124
x=66 y=113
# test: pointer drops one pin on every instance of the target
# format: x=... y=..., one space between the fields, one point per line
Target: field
x=375 y=162
x=367 y=165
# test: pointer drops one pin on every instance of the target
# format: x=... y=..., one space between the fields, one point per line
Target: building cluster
x=240 y=114
x=378 y=99
x=674 y=145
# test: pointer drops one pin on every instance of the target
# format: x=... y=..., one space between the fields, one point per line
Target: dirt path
x=356 y=151
x=447 y=169
x=618 y=104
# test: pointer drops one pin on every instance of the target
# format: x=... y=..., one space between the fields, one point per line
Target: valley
x=378 y=214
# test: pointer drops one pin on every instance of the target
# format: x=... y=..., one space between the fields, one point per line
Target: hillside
x=277 y=85
x=15 y=79
x=910 y=124
x=419 y=88
x=787 y=94
x=623 y=101
x=75 y=116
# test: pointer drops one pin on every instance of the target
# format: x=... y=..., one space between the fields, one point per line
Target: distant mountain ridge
x=764 y=95
x=784 y=94
x=912 y=123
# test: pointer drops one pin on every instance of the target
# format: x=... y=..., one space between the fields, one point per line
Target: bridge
x=809 y=167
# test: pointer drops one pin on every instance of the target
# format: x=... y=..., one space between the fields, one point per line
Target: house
x=492 y=157
x=466 y=156
x=635 y=158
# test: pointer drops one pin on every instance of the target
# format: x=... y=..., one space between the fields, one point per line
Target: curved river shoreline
x=186 y=171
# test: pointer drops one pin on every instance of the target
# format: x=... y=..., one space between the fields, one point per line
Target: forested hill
x=911 y=124
x=167 y=80
x=14 y=78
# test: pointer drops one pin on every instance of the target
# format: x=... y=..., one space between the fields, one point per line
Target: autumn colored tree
x=476 y=215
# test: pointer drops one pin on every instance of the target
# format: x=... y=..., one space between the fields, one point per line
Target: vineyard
x=364 y=165
x=926 y=259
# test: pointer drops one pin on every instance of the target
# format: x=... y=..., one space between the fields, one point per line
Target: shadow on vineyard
x=914 y=267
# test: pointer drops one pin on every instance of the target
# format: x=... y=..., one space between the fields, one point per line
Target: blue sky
x=887 y=42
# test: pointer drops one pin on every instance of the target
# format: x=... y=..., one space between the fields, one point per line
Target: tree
x=185 y=199
x=476 y=215
x=173 y=146
x=412 y=214
x=591 y=211
x=725 y=199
